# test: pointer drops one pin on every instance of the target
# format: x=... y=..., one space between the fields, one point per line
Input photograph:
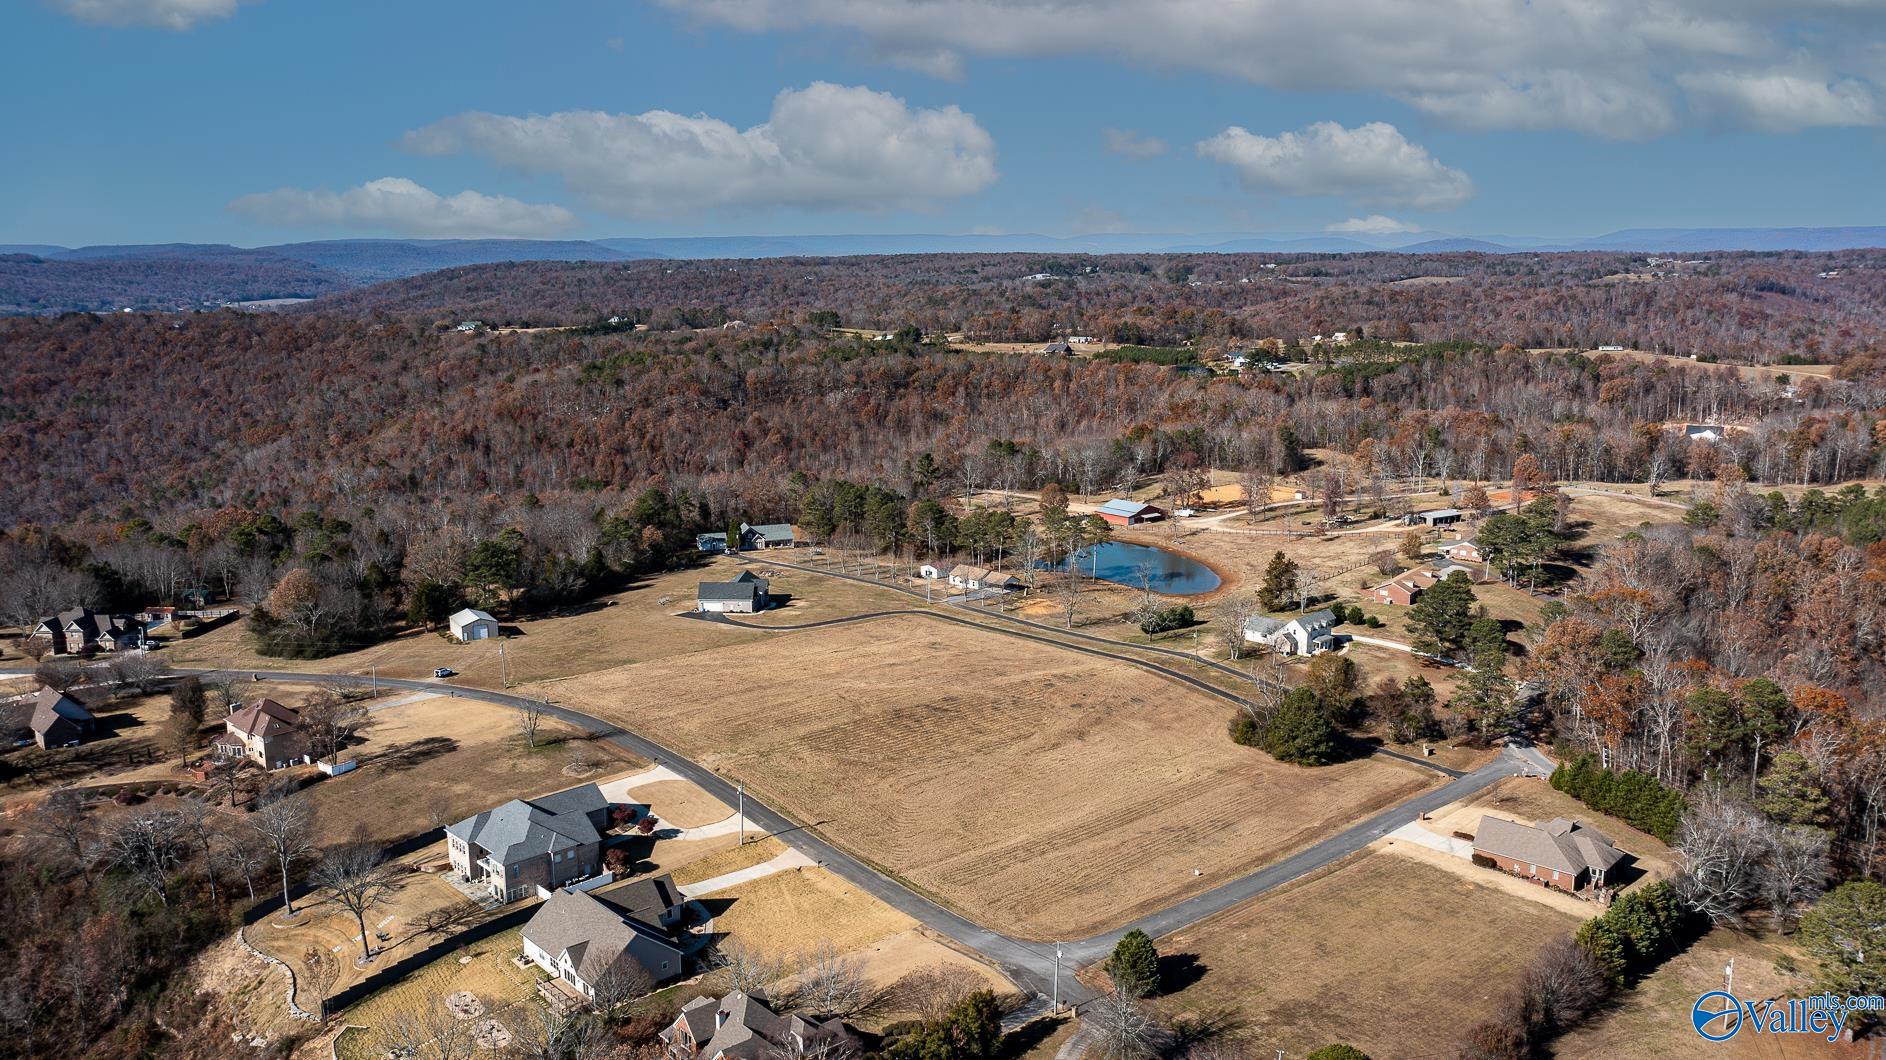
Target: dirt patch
x=1070 y=760
x=1424 y=953
x=484 y=970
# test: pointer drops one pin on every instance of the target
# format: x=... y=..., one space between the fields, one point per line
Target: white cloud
x=1778 y=102
x=397 y=205
x=1130 y=143
x=164 y=14
x=1372 y=164
x=1373 y=225
x=1614 y=68
x=824 y=147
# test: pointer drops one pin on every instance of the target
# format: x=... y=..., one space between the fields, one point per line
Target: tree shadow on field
x=1023 y=1040
x=401 y=757
x=1194 y=1029
x=1180 y=970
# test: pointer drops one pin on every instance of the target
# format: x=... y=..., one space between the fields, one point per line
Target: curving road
x=1030 y=965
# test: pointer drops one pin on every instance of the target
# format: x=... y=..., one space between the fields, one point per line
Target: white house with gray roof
x=523 y=845
x=746 y=593
x=1300 y=635
x=594 y=941
x=741 y=1027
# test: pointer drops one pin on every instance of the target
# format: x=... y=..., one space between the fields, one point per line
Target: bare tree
x=748 y=971
x=530 y=718
x=197 y=820
x=429 y=1030
x=137 y=669
x=1720 y=849
x=148 y=846
x=61 y=823
x=831 y=986
x=1231 y=619
x=545 y=1034
x=330 y=722
x=1797 y=871
x=357 y=877
x=1125 y=1030
x=1385 y=561
x=286 y=829
x=930 y=992
x=319 y=972
x=241 y=851
x=622 y=982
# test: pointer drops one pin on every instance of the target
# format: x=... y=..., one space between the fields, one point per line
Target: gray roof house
x=1564 y=853
x=746 y=592
x=741 y=1027
x=1298 y=635
x=525 y=845
x=752 y=536
x=591 y=941
x=59 y=720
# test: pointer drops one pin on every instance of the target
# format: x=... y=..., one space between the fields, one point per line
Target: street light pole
x=743 y=814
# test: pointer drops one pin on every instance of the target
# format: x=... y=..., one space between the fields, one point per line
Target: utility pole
x=504 y=672
x=743 y=814
x=1057 y=978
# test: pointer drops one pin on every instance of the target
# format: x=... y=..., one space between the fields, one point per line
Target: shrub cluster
x=1635 y=797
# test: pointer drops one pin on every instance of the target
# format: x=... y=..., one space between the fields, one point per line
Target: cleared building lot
x=1041 y=792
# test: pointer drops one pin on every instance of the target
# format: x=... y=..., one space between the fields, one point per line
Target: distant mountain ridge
x=41 y=278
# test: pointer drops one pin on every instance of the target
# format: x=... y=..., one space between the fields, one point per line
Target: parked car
x=444 y=671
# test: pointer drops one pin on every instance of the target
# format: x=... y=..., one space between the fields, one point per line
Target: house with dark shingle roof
x=525 y=845
x=741 y=1027
x=59 y=720
x=752 y=536
x=603 y=940
x=1561 y=853
x=746 y=593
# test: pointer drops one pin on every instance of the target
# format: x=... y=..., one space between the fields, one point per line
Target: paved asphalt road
x=1030 y=964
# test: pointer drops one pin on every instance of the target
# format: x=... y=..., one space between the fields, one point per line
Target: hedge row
x=1635 y=797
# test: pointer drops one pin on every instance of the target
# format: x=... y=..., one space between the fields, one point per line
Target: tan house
x=266 y=733
x=741 y=1027
x=1465 y=550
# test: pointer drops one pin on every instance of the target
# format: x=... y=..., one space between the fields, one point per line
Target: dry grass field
x=1653 y=1019
x=1004 y=777
x=625 y=627
x=682 y=804
x=795 y=911
x=442 y=759
x=1393 y=956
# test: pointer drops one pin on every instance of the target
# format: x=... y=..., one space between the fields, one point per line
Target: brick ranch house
x=525 y=845
x=1562 y=853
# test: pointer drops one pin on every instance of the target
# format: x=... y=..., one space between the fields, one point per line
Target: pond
x=1123 y=564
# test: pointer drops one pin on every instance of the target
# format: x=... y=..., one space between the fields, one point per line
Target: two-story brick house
x=266 y=733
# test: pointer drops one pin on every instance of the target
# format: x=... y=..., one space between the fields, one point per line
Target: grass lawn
x=1393 y=956
x=1069 y=759
x=332 y=930
x=484 y=969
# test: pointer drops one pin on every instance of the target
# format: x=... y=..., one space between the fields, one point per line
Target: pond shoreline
x=1168 y=555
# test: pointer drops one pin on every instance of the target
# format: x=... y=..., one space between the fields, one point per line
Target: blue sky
x=274 y=120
